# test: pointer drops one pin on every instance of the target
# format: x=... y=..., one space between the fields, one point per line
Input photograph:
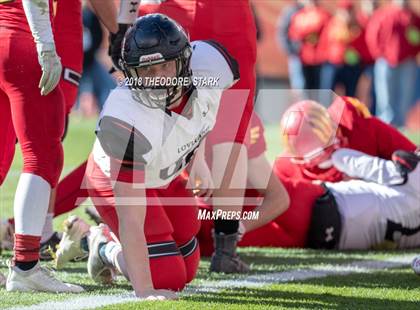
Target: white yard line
x=252 y=281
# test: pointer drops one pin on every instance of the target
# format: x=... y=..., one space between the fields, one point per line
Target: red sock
x=26 y=248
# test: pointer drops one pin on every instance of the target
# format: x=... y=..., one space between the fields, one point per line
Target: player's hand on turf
x=200 y=180
x=157 y=295
x=51 y=68
x=115 y=45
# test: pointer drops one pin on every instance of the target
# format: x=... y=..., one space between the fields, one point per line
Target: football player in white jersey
x=379 y=208
x=151 y=127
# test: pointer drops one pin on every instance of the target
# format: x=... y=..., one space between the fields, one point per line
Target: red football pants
x=38 y=121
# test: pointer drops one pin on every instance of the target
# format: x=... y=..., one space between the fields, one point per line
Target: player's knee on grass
x=168 y=272
x=167 y=265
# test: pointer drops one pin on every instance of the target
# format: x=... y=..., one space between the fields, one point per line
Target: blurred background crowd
x=369 y=49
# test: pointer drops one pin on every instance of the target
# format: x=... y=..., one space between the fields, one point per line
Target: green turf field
x=281 y=278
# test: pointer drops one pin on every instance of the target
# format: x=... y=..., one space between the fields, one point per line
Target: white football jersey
x=173 y=137
x=376 y=215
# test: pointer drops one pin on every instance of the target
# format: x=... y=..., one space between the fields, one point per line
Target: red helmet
x=309 y=133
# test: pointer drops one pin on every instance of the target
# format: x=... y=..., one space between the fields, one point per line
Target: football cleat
x=97 y=269
x=6 y=235
x=224 y=258
x=93 y=215
x=47 y=248
x=69 y=247
x=37 y=279
x=405 y=162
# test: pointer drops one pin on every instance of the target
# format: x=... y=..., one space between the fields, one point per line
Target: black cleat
x=224 y=258
x=49 y=247
x=94 y=215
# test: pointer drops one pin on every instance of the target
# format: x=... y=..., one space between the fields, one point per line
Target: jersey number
x=180 y=164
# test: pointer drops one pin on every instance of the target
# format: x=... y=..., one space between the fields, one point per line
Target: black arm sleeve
x=123 y=142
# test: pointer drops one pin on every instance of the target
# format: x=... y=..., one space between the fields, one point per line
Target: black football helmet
x=155 y=39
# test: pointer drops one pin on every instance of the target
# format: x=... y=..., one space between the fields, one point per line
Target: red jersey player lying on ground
x=380 y=211
x=312 y=133
x=152 y=133
x=377 y=210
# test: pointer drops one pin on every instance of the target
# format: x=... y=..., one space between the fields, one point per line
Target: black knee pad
x=325 y=228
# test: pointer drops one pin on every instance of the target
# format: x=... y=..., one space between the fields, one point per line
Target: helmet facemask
x=169 y=89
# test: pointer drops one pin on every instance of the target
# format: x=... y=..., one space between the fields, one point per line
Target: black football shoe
x=48 y=248
x=94 y=215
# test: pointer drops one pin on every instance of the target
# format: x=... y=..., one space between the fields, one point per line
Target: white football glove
x=51 y=68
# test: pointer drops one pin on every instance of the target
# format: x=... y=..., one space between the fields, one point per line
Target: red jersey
x=344 y=43
x=291 y=228
x=305 y=27
x=360 y=131
x=393 y=33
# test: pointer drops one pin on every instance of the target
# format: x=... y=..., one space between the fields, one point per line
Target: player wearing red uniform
x=313 y=206
x=312 y=133
x=305 y=30
x=68 y=32
x=31 y=103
